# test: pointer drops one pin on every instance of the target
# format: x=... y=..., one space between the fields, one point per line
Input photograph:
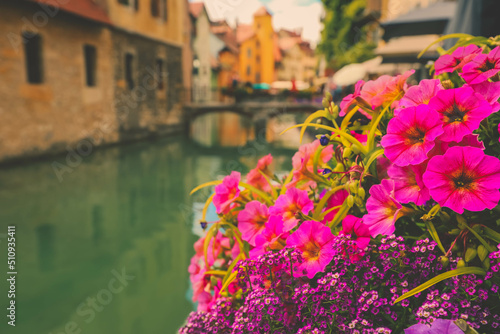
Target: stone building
x=76 y=74
x=258 y=49
x=298 y=60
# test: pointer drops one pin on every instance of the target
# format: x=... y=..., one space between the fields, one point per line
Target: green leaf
x=371 y=135
x=442 y=39
x=216 y=272
x=347 y=118
x=210 y=234
x=204 y=185
x=205 y=208
x=372 y=158
x=493 y=235
x=287 y=181
x=433 y=233
x=490 y=248
x=274 y=193
x=262 y=194
x=441 y=277
x=348 y=137
x=313 y=116
x=324 y=200
x=229 y=280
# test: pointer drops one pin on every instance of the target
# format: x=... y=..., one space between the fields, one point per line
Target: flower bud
x=350 y=201
x=470 y=254
x=361 y=192
x=347 y=153
x=482 y=252
x=445 y=261
x=460 y=264
x=447 y=84
x=353 y=187
x=339 y=168
x=325 y=103
x=328 y=96
x=335 y=112
x=358 y=201
x=355 y=149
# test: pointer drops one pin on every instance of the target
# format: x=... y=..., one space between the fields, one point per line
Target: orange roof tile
x=262 y=11
x=244 y=32
x=84 y=8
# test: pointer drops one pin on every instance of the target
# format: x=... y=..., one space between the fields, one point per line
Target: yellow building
x=258 y=51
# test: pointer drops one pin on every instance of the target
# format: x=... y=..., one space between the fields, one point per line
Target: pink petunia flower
x=303 y=163
x=273 y=237
x=227 y=193
x=383 y=209
x=482 y=67
x=374 y=88
x=252 y=220
x=420 y=94
x=461 y=111
x=256 y=179
x=315 y=241
x=408 y=184
x=335 y=200
x=469 y=140
x=350 y=99
x=393 y=90
x=359 y=232
x=490 y=91
x=382 y=165
x=464 y=178
x=457 y=60
x=289 y=204
x=410 y=135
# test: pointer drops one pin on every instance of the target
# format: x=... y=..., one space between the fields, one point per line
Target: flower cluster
x=389 y=219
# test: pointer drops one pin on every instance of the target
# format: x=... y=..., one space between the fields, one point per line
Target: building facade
x=258 y=49
x=78 y=74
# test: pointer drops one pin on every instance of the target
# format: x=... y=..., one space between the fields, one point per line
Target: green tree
x=344 y=37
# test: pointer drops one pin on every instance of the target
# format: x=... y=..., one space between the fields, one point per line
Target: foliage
x=343 y=39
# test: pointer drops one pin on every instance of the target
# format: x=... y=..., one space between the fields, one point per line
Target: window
x=249 y=52
x=129 y=67
x=165 y=10
x=90 y=54
x=155 y=8
x=130 y=2
x=257 y=59
x=159 y=73
x=257 y=77
x=33 y=54
x=249 y=70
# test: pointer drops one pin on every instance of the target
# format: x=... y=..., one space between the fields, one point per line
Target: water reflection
x=123 y=209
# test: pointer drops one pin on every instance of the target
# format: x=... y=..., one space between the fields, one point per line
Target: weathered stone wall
x=62 y=111
x=146 y=108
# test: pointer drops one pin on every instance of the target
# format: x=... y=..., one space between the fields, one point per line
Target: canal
x=104 y=247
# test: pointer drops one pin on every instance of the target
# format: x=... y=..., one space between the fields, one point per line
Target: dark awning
x=423 y=21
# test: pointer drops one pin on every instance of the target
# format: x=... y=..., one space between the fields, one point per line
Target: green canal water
x=104 y=248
